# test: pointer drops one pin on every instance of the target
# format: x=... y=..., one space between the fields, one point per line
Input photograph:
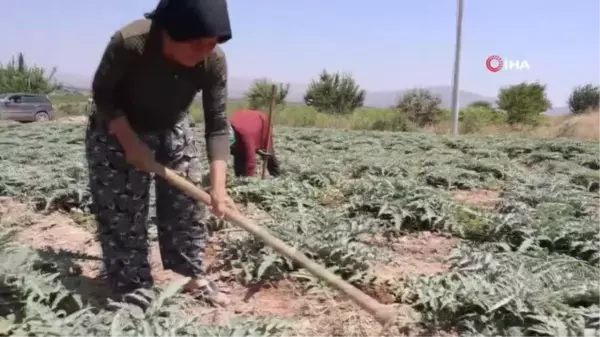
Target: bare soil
x=482 y=198
x=319 y=313
x=72 y=120
x=421 y=253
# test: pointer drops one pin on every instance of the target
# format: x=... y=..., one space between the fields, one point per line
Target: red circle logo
x=494 y=59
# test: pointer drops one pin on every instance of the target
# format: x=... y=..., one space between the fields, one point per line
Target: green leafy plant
x=474 y=118
x=524 y=103
x=527 y=263
x=259 y=94
x=481 y=104
x=334 y=93
x=420 y=105
x=584 y=98
x=17 y=77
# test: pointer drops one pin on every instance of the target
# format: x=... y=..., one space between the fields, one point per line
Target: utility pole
x=455 y=80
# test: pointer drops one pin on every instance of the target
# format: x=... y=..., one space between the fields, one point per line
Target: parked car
x=26 y=107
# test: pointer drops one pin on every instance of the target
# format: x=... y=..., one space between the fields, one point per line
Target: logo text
x=496 y=63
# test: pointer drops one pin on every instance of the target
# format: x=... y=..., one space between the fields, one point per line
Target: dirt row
x=321 y=313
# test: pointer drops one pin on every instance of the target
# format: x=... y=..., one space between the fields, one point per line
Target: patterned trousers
x=120 y=196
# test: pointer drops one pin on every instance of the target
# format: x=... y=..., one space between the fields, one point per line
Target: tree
x=421 y=106
x=259 y=94
x=481 y=104
x=334 y=93
x=21 y=63
x=16 y=76
x=473 y=118
x=584 y=98
x=524 y=103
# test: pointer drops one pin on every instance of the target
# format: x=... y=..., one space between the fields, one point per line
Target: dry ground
x=321 y=313
x=72 y=120
x=482 y=198
x=582 y=127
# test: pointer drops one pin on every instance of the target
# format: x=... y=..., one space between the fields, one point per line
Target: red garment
x=251 y=128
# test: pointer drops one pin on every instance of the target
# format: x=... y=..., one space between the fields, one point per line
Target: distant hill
x=389 y=98
x=378 y=99
x=559 y=111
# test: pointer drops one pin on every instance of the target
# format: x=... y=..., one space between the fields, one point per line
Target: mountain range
x=379 y=99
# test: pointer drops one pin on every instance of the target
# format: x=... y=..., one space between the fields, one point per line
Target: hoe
x=383 y=314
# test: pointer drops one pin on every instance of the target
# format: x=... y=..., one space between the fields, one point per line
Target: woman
x=147 y=78
x=248 y=136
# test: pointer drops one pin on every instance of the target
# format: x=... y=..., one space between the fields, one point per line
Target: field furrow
x=470 y=236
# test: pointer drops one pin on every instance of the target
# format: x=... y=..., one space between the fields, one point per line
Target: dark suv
x=26 y=107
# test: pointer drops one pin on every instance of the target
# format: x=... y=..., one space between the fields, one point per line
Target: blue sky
x=389 y=45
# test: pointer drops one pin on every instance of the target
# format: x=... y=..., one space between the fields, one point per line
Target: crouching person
x=248 y=137
x=147 y=78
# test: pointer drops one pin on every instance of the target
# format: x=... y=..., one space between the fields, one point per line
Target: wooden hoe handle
x=380 y=312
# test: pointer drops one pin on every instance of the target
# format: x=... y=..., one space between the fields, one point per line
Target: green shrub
x=444 y=116
x=334 y=93
x=17 y=76
x=421 y=106
x=259 y=95
x=382 y=120
x=524 y=103
x=584 y=98
x=474 y=118
x=70 y=109
x=480 y=104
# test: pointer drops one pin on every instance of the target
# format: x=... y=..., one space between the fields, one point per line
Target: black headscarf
x=186 y=20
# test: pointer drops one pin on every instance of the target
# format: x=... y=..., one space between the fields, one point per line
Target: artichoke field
x=527 y=265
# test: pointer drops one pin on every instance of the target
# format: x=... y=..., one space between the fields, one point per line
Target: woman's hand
x=218 y=192
x=137 y=153
x=219 y=200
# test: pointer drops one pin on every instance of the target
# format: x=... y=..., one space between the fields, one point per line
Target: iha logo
x=496 y=63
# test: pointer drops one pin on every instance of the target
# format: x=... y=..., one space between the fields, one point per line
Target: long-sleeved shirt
x=135 y=80
x=251 y=128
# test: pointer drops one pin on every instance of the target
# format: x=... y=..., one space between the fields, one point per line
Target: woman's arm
x=214 y=103
x=107 y=78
